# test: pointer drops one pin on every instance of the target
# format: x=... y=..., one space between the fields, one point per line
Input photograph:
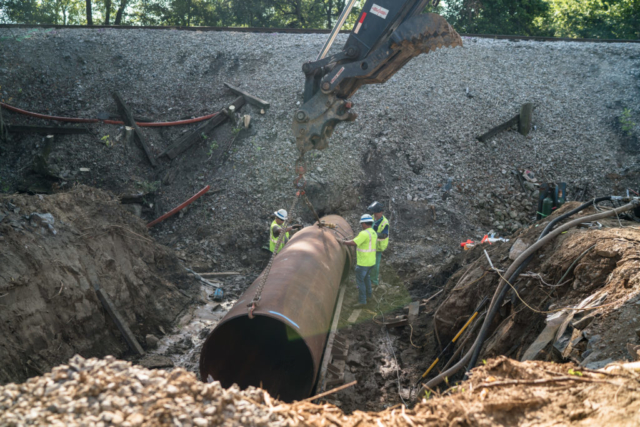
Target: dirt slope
x=49 y=308
x=415 y=135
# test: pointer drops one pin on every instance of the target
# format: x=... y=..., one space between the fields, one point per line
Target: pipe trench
x=281 y=348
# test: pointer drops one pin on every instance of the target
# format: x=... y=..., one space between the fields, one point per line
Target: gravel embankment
x=413 y=135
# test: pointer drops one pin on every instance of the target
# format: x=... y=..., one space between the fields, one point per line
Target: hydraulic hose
x=109 y=122
x=511 y=273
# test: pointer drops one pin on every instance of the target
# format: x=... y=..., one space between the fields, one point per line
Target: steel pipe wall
x=281 y=348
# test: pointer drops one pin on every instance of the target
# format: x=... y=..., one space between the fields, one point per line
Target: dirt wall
x=49 y=310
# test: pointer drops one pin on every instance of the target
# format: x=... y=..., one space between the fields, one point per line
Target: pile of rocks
x=94 y=392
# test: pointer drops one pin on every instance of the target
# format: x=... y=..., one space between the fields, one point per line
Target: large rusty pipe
x=281 y=348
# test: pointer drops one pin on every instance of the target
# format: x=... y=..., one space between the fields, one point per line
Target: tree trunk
x=329 y=8
x=89 y=14
x=120 y=13
x=189 y=14
x=107 y=11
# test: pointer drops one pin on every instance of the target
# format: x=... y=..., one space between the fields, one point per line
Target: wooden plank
x=119 y=321
x=414 y=310
x=190 y=139
x=127 y=117
x=354 y=316
x=525 y=118
x=47 y=130
x=326 y=358
x=221 y=273
x=506 y=125
x=397 y=322
x=250 y=99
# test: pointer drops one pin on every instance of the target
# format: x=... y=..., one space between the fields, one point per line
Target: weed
x=574 y=372
x=626 y=122
x=106 y=140
x=149 y=187
x=427 y=394
x=4 y=186
x=236 y=131
x=212 y=147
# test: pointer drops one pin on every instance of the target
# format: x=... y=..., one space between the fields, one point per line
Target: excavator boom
x=387 y=34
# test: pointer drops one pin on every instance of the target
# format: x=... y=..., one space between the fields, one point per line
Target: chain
x=308 y=203
x=265 y=273
x=300 y=184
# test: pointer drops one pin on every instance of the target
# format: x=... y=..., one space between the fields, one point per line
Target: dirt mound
x=54 y=251
x=598 y=261
x=503 y=392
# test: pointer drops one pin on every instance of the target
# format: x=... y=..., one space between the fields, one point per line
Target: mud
x=49 y=272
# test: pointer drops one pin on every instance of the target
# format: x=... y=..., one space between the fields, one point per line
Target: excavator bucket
x=315 y=121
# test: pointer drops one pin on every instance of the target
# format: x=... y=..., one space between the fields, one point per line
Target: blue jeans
x=363 y=279
x=375 y=272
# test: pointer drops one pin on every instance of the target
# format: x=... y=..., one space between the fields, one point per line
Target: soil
x=51 y=267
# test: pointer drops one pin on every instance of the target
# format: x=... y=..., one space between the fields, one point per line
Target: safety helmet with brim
x=366 y=218
x=376 y=207
x=282 y=214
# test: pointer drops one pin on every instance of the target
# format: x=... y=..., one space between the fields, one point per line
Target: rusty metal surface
x=282 y=347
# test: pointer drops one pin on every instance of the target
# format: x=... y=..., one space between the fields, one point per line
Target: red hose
x=179 y=208
x=108 y=122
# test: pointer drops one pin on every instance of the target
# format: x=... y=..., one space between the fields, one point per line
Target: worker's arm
x=348 y=242
x=384 y=234
x=277 y=229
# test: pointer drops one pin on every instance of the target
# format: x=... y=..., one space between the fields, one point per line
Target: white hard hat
x=282 y=214
x=366 y=218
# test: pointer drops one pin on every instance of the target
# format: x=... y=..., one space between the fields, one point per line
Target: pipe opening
x=260 y=352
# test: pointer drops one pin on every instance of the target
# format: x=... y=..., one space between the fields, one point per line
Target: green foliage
x=574 y=372
x=626 y=122
x=149 y=187
x=106 y=140
x=562 y=18
x=212 y=147
x=496 y=16
x=611 y=19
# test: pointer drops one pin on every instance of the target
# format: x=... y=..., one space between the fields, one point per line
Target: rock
x=598 y=364
x=134 y=208
x=354 y=359
x=606 y=254
x=154 y=361
x=583 y=323
x=152 y=341
x=516 y=250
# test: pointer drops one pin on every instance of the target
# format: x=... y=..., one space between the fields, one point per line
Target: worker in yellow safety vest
x=381 y=227
x=276 y=229
x=365 y=242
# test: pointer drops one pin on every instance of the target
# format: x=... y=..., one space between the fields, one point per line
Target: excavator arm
x=387 y=34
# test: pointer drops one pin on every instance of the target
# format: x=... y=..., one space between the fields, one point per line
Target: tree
x=496 y=16
x=120 y=13
x=107 y=11
x=89 y=14
x=594 y=19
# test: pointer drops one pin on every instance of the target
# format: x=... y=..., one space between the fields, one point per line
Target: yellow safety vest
x=381 y=245
x=273 y=239
x=366 y=250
